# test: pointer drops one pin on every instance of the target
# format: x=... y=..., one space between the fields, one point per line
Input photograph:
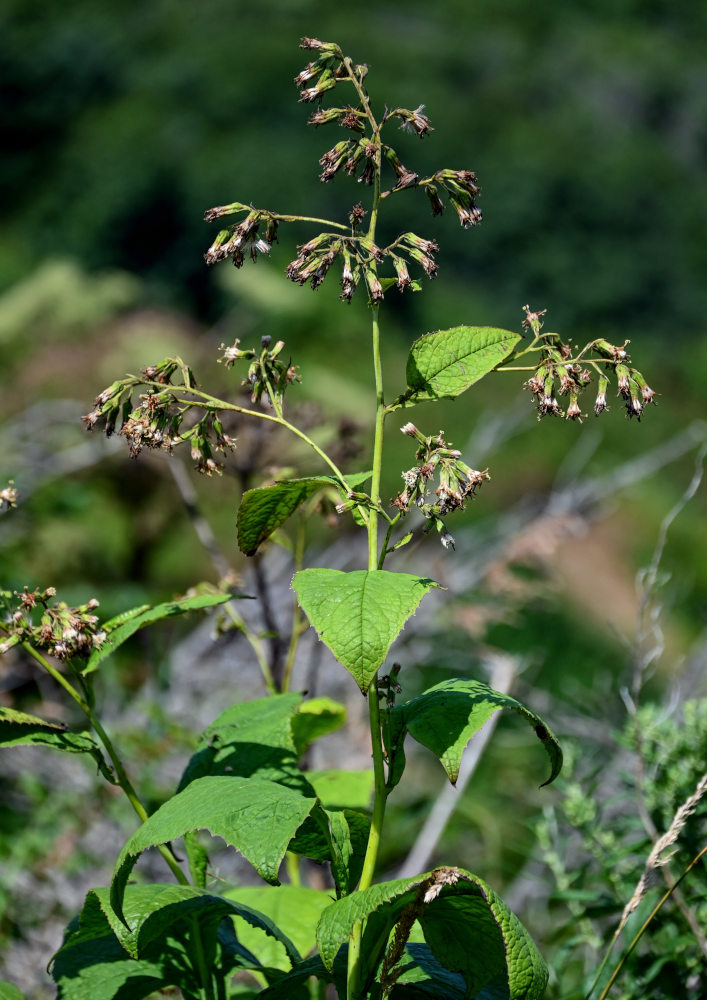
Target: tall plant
x=443 y=932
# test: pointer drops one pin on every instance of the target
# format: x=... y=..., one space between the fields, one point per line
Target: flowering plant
x=443 y=932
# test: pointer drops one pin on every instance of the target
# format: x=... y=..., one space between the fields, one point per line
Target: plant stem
x=121 y=773
x=296 y=627
x=379 y=800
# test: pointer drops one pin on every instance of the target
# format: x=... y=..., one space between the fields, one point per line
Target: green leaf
x=20 y=729
x=343 y=789
x=349 y=838
x=294 y=910
x=421 y=971
x=149 y=910
x=444 y=364
x=251 y=739
x=468 y=928
x=263 y=510
x=316 y=718
x=445 y=717
x=9 y=992
x=137 y=621
x=287 y=987
x=359 y=614
x=93 y=965
x=258 y=818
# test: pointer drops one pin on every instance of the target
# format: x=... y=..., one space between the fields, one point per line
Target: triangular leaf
x=445 y=717
x=137 y=621
x=488 y=945
x=258 y=818
x=263 y=510
x=359 y=614
x=443 y=364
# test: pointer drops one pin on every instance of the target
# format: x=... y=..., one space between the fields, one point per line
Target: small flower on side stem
x=600 y=403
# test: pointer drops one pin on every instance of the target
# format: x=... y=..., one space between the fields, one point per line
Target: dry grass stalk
x=655 y=858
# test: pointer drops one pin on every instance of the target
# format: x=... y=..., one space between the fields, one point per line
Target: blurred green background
x=586 y=123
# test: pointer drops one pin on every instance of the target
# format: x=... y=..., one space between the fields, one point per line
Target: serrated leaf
x=252 y=739
x=445 y=718
x=93 y=965
x=259 y=818
x=151 y=909
x=93 y=961
x=20 y=729
x=443 y=364
x=137 y=621
x=359 y=614
x=487 y=945
x=263 y=510
x=293 y=910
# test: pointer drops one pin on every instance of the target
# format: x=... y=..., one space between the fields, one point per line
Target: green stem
x=379 y=800
x=296 y=627
x=120 y=772
x=256 y=646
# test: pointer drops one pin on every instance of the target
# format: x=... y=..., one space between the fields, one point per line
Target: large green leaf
x=19 y=729
x=130 y=624
x=149 y=910
x=445 y=717
x=294 y=910
x=103 y=959
x=251 y=739
x=359 y=614
x=259 y=818
x=264 y=738
x=468 y=928
x=263 y=510
x=444 y=364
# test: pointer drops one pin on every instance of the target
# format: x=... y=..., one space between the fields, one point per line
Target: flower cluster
x=457 y=481
x=557 y=376
x=62 y=631
x=8 y=496
x=324 y=71
x=156 y=421
x=462 y=189
x=253 y=235
x=266 y=373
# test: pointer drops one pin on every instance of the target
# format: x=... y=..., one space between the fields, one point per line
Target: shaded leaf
x=251 y=739
x=443 y=364
x=258 y=818
x=359 y=614
x=445 y=717
x=263 y=510
x=468 y=928
x=139 y=620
